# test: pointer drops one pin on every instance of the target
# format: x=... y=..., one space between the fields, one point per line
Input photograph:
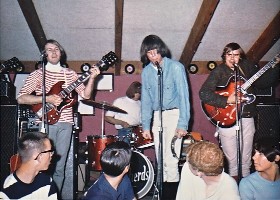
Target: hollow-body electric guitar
x=53 y=112
x=226 y=117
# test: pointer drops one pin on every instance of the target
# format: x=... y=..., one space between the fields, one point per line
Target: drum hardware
x=190 y=138
x=104 y=106
x=96 y=144
x=138 y=140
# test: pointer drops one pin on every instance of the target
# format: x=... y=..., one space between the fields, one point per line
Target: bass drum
x=141 y=174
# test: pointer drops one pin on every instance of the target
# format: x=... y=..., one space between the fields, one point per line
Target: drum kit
x=141 y=169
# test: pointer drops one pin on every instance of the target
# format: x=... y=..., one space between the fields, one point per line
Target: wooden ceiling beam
x=118 y=34
x=266 y=40
x=199 y=28
x=33 y=21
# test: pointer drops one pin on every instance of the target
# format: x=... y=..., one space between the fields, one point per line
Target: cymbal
x=103 y=105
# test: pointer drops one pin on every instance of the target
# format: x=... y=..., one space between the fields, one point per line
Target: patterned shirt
x=34 y=84
x=42 y=187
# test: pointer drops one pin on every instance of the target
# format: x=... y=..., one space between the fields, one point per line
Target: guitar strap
x=241 y=71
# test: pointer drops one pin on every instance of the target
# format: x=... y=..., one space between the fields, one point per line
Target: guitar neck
x=249 y=82
x=64 y=93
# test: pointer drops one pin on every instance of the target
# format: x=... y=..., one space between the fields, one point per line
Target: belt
x=169 y=109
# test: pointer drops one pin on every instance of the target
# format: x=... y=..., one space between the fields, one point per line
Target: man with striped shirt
x=59 y=132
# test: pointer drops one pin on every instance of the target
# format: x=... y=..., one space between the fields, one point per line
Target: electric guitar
x=226 y=117
x=53 y=112
x=12 y=63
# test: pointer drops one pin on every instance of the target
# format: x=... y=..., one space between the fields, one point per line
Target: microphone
x=44 y=54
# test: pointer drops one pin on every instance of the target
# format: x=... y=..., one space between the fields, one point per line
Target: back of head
x=206 y=157
x=269 y=146
x=135 y=87
x=115 y=157
x=151 y=42
x=29 y=143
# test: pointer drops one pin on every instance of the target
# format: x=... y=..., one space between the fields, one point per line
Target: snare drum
x=138 y=139
x=96 y=144
x=141 y=174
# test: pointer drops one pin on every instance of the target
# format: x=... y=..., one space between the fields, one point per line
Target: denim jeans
x=60 y=134
x=125 y=134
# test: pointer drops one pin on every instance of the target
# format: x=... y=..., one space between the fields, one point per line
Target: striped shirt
x=33 y=83
x=42 y=187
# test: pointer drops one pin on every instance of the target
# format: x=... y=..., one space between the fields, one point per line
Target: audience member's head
x=205 y=157
x=115 y=158
x=35 y=146
x=269 y=147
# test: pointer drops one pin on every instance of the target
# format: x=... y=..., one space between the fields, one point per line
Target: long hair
x=153 y=42
x=63 y=57
x=269 y=146
x=135 y=87
x=231 y=47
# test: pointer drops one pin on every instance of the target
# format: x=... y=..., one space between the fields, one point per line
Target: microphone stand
x=238 y=117
x=160 y=150
x=44 y=112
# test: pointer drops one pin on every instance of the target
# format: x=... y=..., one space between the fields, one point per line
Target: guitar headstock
x=12 y=63
x=108 y=60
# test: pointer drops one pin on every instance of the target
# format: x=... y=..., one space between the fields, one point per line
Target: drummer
x=132 y=105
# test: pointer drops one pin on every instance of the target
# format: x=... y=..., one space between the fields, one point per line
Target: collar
x=53 y=68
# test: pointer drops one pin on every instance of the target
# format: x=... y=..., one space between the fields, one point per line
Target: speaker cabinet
x=9 y=136
x=267 y=121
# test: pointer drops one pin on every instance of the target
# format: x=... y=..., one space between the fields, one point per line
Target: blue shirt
x=102 y=189
x=256 y=187
x=175 y=92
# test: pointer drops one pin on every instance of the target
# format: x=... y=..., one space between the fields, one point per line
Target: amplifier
x=267 y=121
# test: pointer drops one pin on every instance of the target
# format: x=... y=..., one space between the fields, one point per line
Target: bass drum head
x=141 y=174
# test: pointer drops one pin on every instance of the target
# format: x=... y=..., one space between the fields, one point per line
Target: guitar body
x=53 y=112
x=222 y=117
x=15 y=162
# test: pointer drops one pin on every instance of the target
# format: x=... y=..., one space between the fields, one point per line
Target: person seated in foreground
x=265 y=182
x=202 y=176
x=27 y=182
x=113 y=184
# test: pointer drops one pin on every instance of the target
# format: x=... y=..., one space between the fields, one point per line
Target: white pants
x=169 y=124
x=229 y=143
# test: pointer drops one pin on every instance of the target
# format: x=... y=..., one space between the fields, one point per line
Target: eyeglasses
x=48 y=151
x=234 y=55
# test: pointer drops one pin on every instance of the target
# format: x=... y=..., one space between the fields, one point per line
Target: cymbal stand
x=44 y=126
x=103 y=120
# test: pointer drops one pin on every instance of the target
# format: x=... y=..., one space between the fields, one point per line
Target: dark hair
x=115 y=157
x=206 y=157
x=153 y=42
x=30 y=142
x=135 y=87
x=63 y=57
x=231 y=47
x=269 y=146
